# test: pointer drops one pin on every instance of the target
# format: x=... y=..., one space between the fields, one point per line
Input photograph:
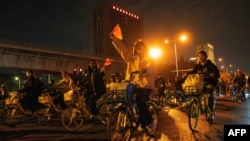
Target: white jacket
x=134 y=63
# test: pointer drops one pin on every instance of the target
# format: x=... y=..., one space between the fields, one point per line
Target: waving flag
x=117 y=32
x=108 y=62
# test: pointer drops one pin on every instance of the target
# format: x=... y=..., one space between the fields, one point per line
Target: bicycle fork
x=122 y=119
x=73 y=116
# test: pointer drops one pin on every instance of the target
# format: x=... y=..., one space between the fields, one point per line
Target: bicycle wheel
x=163 y=102
x=104 y=112
x=193 y=114
x=44 y=115
x=154 y=124
x=120 y=126
x=72 y=119
x=11 y=117
x=238 y=97
x=208 y=114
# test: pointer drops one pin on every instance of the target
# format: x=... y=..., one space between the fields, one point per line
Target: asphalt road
x=173 y=126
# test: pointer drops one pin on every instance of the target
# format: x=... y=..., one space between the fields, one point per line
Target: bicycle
x=14 y=111
x=125 y=119
x=108 y=103
x=238 y=94
x=77 y=110
x=49 y=110
x=199 y=105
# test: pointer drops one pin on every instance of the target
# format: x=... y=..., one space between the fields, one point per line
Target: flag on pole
x=108 y=62
x=117 y=32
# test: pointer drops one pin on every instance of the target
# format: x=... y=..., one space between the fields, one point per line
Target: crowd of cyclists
x=234 y=83
x=144 y=82
x=33 y=87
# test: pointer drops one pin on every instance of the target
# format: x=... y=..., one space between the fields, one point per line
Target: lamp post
x=182 y=38
x=176 y=61
x=231 y=66
x=18 y=80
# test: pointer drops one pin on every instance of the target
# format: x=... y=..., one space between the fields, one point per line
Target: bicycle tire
x=72 y=119
x=119 y=126
x=238 y=97
x=11 y=117
x=193 y=114
x=154 y=124
x=104 y=113
x=44 y=115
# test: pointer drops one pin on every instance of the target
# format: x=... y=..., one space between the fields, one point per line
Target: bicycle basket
x=71 y=97
x=44 y=99
x=192 y=90
x=193 y=84
x=11 y=101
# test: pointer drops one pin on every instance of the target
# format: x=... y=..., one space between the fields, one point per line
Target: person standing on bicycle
x=239 y=82
x=95 y=85
x=210 y=72
x=138 y=60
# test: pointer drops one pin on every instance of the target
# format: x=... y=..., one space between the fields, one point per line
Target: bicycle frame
x=14 y=111
x=196 y=107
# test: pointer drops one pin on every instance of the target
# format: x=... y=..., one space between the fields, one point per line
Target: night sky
x=67 y=25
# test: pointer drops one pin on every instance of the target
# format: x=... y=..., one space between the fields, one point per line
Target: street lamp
x=182 y=38
x=155 y=52
x=231 y=66
x=19 y=84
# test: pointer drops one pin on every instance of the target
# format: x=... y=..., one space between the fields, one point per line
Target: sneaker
x=149 y=129
x=34 y=114
x=91 y=116
x=153 y=126
x=139 y=128
x=95 y=116
x=210 y=118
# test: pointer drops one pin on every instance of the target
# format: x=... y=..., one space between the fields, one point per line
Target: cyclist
x=66 y=83
x=4 y=93
x=240 y=82
x=248 y=83
x=33 y=89
x=138 y=60
x=210 y=72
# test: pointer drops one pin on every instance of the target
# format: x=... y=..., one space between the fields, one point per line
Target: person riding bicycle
x=210 y=72
x=4 y=92
x=33 y=89
x=138 y=60
x=240 y=82
x=66 y=84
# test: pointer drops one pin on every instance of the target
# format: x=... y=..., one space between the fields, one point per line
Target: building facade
x=105 y=17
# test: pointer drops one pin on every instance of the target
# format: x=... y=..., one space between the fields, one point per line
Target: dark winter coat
x=206 y=69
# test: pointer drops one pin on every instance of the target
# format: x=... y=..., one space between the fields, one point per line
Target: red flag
x=117 y=32
x=108 y=62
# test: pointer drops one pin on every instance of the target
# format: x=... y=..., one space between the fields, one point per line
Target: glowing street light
x=155 y=52
x=19 y=84
x=182 y=38
x=220 y=59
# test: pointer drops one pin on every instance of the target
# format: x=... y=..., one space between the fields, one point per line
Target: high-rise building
x=209 y=49
x=105 y=18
